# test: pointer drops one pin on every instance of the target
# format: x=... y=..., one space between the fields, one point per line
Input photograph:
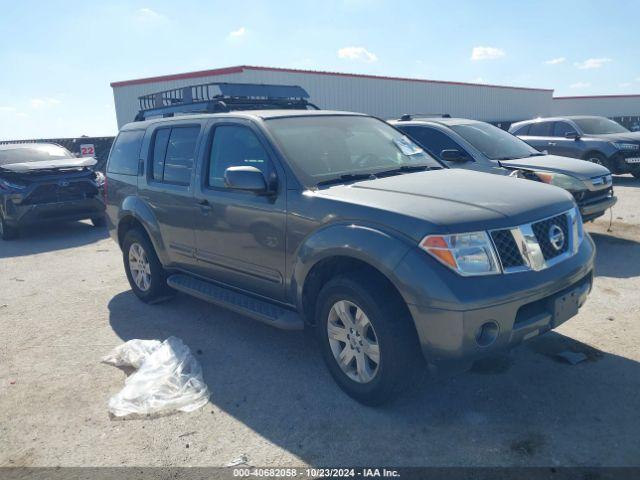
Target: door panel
x=566 y=147
x=240 y=235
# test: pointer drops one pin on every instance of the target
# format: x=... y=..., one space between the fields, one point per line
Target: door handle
x=205 y=206
x=552 y=144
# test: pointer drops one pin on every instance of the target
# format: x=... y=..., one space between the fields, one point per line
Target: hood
x=633 y=137
x=553 y=163
x=454 y=200
x=50 y=164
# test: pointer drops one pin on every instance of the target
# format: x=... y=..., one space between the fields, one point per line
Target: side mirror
x=248 y=179
x=572 y=135
x=453 y=155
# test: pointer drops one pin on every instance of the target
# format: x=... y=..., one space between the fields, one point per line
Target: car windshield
x=599 y=126
x=493 y=142
x=325 y=147
x=33 y=153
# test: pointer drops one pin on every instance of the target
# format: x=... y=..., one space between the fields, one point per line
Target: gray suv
x=340 y=223
x=596 y=139
x=474 y=145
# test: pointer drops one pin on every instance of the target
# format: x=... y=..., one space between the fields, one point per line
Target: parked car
x=474 y=145
x=390 y=258
x=44 y=182
x=596 y=139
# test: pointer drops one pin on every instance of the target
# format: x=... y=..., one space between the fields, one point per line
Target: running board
x=244 y=304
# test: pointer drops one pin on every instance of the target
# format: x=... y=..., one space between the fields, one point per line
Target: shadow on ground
x=521 y=408
x=51 y=237
x=626 y=181
x=616 y=257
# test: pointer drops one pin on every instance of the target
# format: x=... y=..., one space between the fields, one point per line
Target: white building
x=385 y=97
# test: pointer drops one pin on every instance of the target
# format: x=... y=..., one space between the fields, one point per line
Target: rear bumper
x=21 y=215
x=517 y=306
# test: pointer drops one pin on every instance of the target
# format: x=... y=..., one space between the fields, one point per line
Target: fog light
x=487 y=334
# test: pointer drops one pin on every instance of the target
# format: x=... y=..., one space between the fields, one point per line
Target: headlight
x=561 y=180
x=466 y=253
x=99 y=178
x=626 y=146
x=577 y=227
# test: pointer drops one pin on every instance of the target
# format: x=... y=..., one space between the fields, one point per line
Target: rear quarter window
x=125 y=153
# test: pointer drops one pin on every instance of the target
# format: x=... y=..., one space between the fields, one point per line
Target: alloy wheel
x=353 y=341
x=140 y=267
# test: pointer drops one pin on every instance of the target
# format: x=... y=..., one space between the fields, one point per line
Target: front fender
x=374 y=246
x=134 y=207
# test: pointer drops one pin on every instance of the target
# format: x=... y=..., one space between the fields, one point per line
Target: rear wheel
x=367 y=338
x=7 y=232
x=145 y=273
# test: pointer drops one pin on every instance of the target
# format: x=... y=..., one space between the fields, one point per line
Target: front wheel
x=145 y=273
x=599 y=159
x=367 y=338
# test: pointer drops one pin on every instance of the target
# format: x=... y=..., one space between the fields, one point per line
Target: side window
x=524 y=130
x=173 y=154
x=235 y=146
x=540 y=129
x=125 y=154
x=560 y=129
x=433 y=141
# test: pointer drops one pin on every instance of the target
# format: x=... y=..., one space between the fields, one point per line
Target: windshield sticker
x=407 y=147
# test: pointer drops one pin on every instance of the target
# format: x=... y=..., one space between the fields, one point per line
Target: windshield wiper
x=405 y=169
x=347 y=177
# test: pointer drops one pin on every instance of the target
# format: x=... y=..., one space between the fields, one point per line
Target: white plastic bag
x=168 y=378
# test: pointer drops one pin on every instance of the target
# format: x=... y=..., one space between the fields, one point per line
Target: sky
x=59 y=57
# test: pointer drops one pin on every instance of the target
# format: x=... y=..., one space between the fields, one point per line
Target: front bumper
x=18 y=215
x=449 y=311
x=592 y=210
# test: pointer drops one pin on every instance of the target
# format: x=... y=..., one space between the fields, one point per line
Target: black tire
x=99 y=222
x=600 y=159
x=401 y=360
x=157 y=285
x=7 y=232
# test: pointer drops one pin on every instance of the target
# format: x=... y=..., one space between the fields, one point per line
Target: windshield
x=494 y=142
x=33 y=153
x=330 y=146
x=599 y=126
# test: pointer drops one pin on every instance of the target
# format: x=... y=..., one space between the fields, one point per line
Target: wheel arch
x=136 y=214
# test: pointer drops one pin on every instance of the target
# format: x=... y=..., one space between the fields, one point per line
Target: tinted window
x=125 y=154
x=540 y=129
x=432 y=140
x=493 y=142
x=179 y=147
x=524 y=130
x=326 y=147
x=235 y=146
x=599 y=126
x=560 y=129
x=160 y=142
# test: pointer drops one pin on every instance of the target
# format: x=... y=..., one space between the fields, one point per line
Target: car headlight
x=99 y=178
x=577 y=227
x=561 y=180
x=468 y=254
x=626 y=146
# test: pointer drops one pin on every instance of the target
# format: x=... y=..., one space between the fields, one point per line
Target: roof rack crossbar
x=222 y=97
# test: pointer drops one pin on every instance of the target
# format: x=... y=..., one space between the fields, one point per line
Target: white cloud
x=591 y=63
x=478 y=80
x=239 y=33
x=44 y=102
x=487 y=53
x=357 y=53
x=555 y=61
x=7 y=109
x=146 y=15
x=580 y=85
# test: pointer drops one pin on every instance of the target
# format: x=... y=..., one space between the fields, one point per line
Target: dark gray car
x=474 y=145
x=339 y=222
x=596 y=139
x=43 y=182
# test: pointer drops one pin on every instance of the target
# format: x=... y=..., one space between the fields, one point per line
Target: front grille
x=541 y=231
x=52 y=193
x=507 y=249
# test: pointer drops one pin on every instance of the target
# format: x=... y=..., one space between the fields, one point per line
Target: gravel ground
x=65 y=302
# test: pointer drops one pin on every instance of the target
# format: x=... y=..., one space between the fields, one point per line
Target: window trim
x=151 y=150
x=206 y=167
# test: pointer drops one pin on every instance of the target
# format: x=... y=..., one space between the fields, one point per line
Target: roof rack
x=410 y=116
x=222 y=97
